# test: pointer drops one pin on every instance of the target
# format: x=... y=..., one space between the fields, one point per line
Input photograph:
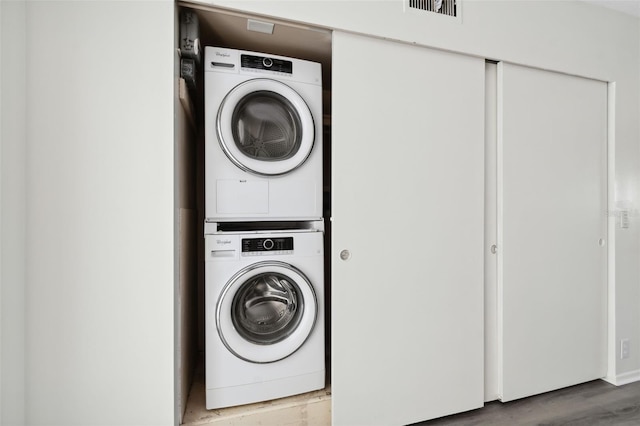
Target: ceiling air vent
x=445 y=7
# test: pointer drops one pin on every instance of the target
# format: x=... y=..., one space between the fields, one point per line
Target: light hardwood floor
x=310 y=409
x=593 y=403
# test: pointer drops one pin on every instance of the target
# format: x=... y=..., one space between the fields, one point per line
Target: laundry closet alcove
x=228 y=29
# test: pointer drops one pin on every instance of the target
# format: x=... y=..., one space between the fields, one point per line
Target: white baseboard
x=624 y=378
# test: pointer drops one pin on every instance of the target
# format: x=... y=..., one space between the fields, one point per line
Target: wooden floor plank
x=590 y=404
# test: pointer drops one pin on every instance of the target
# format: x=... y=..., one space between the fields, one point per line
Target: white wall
x=100 y=217
x=12 y=211
x=567 y=36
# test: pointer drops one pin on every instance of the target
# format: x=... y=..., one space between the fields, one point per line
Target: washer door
x=265 y=127
x=266 y=312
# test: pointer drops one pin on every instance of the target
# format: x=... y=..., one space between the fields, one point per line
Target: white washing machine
x=264 y=308
x=263 y=137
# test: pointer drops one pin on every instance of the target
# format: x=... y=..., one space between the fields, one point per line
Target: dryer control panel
x=261 y=246
x=266 y=63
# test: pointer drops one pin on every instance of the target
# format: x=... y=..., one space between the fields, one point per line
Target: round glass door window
x=264 y=127
x=267 y=308
x=266 y=312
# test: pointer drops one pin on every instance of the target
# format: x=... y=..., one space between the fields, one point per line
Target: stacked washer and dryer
x=264 y=251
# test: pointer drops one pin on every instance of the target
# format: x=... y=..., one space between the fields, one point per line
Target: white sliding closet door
x=552 y=200
x=408 y=167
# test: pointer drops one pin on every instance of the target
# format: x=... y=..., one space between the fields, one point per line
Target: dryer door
x=266 y=312
x=265 y=127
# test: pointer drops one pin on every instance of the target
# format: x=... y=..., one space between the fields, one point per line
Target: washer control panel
x=267 y=246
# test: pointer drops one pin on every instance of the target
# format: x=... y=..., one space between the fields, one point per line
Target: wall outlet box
x=625 y=348
x=624 y=219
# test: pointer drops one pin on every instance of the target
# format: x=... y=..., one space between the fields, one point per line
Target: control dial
x=267 y=244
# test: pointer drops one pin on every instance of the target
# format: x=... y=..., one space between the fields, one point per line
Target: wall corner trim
x=624 y=378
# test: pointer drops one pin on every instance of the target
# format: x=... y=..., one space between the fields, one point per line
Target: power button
x=267 y=62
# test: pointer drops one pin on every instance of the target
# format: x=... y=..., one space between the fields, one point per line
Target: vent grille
x=445 y=7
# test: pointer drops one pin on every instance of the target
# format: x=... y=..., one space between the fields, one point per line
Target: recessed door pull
x=345 y=255
x=494 y=249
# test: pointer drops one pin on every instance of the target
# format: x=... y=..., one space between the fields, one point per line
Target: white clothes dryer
x=264 y=309
x=263 y=137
